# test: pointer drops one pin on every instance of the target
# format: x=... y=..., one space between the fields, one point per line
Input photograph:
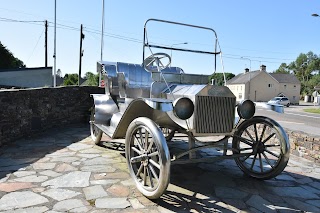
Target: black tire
x=148 y=157
x=96 y=133
x=266 y=144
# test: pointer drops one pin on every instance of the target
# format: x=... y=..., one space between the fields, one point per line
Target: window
x=240 y=95
x=285 y=86
x=269 y=85
x=294 y=86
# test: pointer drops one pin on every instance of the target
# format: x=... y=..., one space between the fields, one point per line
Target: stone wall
x=305 y=145
x=30 y=111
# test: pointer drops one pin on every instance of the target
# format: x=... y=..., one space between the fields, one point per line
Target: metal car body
x=147 y=104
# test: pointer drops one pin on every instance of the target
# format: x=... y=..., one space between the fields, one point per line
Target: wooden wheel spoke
x=271 y=153
x=245 y=149
x=144 y=175
x=141 y=138
x=154 y=163
x=261 y=166
x=146 y=140
x=245 y=158
x=153 y=172
x=139 y=145
x=256 y=132
x=136 y=159
x=136 y=150
x=268 y=138
x=272 y=145
x=150 y=177
x=156 y=153
x=249 y=134
x=267 y=159
x=245 y=140
x=263 y=130
x=150 y=146
x=254 y=160
x=139 y=170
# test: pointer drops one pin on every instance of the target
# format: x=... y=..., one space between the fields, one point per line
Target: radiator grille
x=214 y=114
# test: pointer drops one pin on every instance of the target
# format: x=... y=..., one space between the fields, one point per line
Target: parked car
x=280 y=100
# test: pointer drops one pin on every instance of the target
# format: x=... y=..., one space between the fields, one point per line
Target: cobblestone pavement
x=62 y=171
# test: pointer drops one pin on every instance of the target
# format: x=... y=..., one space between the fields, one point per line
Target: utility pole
x=81 y=53
x=102 y=42
x=55 y=46
x=46 y=45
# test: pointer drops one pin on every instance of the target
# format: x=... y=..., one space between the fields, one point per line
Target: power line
x=131 y=39
x=35 y=46
x=247 y=56
x=14 y=20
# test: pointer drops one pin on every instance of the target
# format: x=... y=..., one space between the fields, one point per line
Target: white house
x=262 y=86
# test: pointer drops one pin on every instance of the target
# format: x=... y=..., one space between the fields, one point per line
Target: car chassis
x=147 y=106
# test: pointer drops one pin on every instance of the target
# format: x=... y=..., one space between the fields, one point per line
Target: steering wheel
x=161 y=60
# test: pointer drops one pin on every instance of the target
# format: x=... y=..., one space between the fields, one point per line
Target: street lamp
x=175 y=45
x=247 y=59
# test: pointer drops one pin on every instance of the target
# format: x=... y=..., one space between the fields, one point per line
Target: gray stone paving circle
x=63 y=171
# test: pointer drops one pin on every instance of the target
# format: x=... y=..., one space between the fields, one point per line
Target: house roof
x=285 y=78
x=243 y=77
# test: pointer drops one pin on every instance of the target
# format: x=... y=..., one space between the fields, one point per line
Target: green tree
x=283 y=69
x=304 y=65
x=7 y=60
x=303 y=68
x=70 y=79
x=219 y=79
x=91 y=79
x=314 y=81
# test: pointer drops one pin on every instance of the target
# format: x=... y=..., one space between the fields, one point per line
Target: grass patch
x=313 y=110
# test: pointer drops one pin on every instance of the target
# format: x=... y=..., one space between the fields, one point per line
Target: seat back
x=134 y=81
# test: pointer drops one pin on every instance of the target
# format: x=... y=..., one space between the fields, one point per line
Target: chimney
x=246 y=70
x=263 y=68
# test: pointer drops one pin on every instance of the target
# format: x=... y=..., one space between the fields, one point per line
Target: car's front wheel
x=148 y=157
x=265 y=145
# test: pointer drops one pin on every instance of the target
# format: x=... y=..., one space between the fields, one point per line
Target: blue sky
x=265 y=32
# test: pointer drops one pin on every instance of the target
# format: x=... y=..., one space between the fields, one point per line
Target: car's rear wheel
x=95 y=132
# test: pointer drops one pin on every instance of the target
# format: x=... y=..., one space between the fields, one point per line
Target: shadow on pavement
x=20 y=154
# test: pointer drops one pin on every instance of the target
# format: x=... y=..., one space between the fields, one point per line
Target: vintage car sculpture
x=148 y=104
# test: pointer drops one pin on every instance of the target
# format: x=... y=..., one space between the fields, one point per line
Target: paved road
x=62 y=171
x=294 y=118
